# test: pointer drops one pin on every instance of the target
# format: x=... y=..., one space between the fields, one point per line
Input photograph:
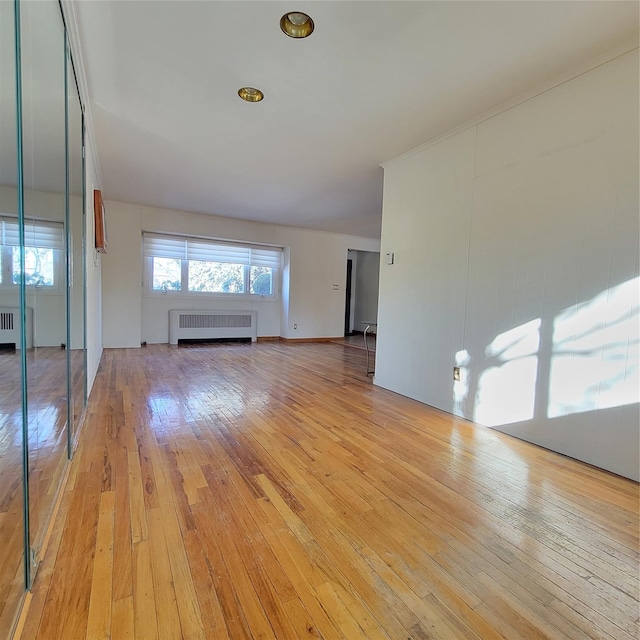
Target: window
x=167 y=274
x=261 y=280
x=197 y=266
x=216 y=277
x=44 y=244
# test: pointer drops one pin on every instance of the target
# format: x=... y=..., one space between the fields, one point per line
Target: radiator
x=10 y=326
x=188 y=324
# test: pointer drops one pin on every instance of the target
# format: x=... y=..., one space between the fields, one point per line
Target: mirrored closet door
x=43 y=65
x=76 y=263
x=43 y=385
x=12 y=516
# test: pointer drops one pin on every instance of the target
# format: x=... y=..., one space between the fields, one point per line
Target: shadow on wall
x=587 y=359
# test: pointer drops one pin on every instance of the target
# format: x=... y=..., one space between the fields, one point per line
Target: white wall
x=516 y=246
x=318 y=262
x=313 y=262
x=93 y=273
x=121 y=277
x=77 y=290
x=285 y=301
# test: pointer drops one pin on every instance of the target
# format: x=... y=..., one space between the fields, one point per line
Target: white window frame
x=10 y=240
x=200 y=245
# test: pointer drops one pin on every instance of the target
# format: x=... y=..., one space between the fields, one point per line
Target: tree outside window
x=196 y=266
x=38 y=266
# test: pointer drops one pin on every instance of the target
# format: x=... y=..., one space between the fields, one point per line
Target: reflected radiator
x=188 y=324
x=10 y=328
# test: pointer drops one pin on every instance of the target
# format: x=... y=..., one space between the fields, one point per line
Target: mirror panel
x=42 y=284
x=76 y=262
x=12 y=543
x=43 y=64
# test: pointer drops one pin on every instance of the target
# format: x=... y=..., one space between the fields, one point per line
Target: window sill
x=194 y=296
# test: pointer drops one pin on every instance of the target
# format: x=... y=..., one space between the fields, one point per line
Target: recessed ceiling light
x=296 y=24
x=250 y=94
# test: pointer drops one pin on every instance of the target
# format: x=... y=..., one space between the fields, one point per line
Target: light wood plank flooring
x=271 y=491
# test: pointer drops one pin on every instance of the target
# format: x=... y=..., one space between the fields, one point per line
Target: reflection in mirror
x=76 y=267
x=43 y=62
x=12 y=554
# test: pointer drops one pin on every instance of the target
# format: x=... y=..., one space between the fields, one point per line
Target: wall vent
x=6 y=320
x=213 y=321
x=10 y=326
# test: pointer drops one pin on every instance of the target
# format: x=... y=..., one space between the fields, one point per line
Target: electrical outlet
x=456 y=374
x=295 y=326
x=336 y=287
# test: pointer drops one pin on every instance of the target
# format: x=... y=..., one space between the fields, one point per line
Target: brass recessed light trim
x=250 y=94
x=296 y=24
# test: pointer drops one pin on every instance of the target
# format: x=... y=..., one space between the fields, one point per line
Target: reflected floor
x=47 y=405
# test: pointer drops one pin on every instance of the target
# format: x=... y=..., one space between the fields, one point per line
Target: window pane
x=38 y=266
x=261 y=280
x=167 y=274
x=216 y=277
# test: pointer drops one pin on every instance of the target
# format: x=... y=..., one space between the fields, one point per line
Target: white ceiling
x=373 y=81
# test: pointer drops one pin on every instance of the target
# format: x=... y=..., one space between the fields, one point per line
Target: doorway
x=361 y=290
x=347 y=302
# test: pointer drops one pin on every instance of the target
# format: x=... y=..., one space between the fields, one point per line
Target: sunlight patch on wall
x=507 y=386
x=595 y=359
x=461 y=387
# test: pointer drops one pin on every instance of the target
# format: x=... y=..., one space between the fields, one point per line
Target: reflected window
x=461 y=385
x=38 y=266
x=42 y=254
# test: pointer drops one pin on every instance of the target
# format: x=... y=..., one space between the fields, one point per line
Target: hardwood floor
x=357 y=341
x=271 y=491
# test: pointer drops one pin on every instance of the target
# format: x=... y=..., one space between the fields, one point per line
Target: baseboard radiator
x=10 y=327
x=193 y=324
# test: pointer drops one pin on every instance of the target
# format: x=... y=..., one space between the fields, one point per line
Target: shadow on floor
x=357 y=341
